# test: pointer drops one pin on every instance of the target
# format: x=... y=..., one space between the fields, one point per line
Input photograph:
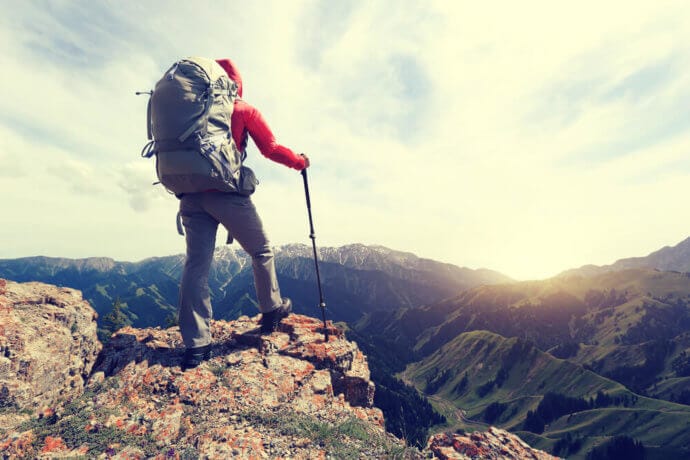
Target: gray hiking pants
x=201 y=213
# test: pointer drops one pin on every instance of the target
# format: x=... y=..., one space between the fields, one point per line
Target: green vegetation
x=582 y=356
x=681 y=364
x=618 y=448
x=171 y=320
x=189 y=453
x=71 y=427
x=113 y=321
x=642 y=376
x=493 y=411
x=346 y=440
x=567 y=446
x=219 y=371
x=512 y=384
x=554 y=405
x=7 y=402
x=620 y=334
x=407 y=413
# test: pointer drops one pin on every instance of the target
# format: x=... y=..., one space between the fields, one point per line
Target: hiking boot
x=195 y=356
x=270 y=320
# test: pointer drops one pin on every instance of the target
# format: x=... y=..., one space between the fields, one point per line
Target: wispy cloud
x=526 y=137
x=83 y=36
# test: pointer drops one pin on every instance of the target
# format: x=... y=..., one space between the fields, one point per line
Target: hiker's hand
x=306 y=160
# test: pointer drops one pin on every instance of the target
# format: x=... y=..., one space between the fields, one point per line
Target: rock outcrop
x=48 y=345
x=289 y=394
x=493 y=444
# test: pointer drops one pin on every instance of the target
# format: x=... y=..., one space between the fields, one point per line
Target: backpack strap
x=203 y=116
x=180 y=228
x=149 y=131
x=173 y=144
x=212 y=92
x=150 y=149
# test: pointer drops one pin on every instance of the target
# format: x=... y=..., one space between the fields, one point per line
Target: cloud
x=82 y=35
x=324 y=23
x=526 y=137
x=79 y=176
x=138 y=181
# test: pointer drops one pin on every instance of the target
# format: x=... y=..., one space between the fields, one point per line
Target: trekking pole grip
x=312 y=234
x=306 y=187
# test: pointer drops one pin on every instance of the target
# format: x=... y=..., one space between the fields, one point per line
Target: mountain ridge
x=356 y=278
x=623 y=325
x=668 y=258
x=352 y=255
x=628 y=326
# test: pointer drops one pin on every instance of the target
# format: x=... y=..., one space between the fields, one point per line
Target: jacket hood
x=234 y=74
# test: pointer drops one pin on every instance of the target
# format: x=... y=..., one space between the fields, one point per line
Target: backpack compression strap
x=212 y=92
x=203 y=117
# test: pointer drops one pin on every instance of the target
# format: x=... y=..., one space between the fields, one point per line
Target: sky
x=526 y=137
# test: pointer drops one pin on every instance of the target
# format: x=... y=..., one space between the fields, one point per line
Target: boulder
x=48 y=346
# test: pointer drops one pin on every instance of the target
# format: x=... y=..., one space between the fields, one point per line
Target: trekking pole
x=322 y=303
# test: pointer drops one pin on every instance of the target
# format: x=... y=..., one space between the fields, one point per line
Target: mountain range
x=535 y=357
x=356 y=279
x=571 y=363
x=668 y=258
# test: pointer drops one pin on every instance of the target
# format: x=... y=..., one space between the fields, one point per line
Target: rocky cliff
x=284 y=395
x=494 y=444
x=48 y=346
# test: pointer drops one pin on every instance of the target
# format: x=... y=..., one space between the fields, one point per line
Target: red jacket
x=248 y=120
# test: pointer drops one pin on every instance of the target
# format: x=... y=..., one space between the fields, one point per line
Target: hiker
x=202 y=212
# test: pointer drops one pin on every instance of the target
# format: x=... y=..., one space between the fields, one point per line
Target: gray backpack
x=189 y=130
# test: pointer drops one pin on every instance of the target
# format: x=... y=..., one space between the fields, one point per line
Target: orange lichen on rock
x=51 y=444
x=492 y=444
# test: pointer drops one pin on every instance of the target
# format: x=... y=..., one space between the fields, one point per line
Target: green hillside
x=571 y=363
x=630 y=326
x=482 y=377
